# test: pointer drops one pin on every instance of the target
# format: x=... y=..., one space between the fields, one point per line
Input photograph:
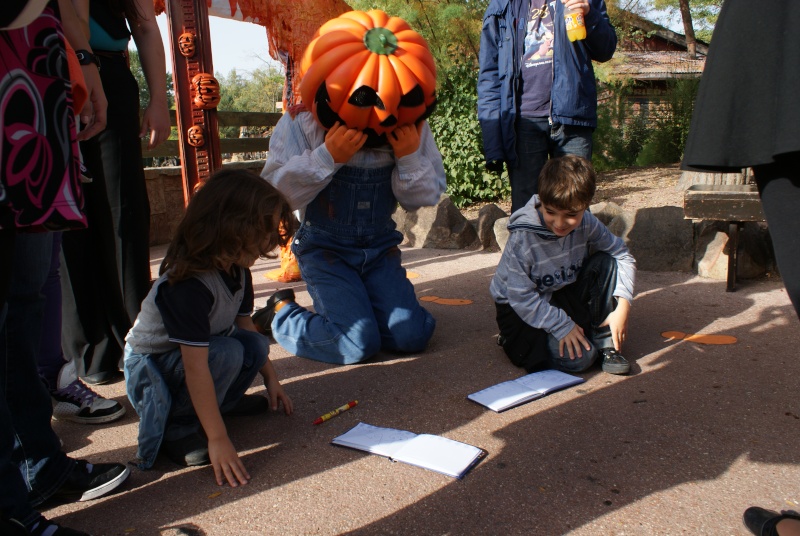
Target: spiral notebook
x=433 y=452
x=513 y=393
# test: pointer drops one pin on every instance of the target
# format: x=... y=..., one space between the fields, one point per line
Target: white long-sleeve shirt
x=300 y=166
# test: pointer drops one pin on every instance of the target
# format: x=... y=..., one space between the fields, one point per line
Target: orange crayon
x=336 y=412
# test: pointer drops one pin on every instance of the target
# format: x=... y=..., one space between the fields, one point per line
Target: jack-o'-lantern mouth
x=364 y=97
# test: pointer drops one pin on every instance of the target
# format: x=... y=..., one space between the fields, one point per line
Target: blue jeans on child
x=588 y=302
x=234 y=361
x=538 y=140
x=26 y=409
x=347 y=249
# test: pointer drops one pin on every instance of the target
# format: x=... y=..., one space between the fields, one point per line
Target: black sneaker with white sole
x=613 y=362
x=90 y=481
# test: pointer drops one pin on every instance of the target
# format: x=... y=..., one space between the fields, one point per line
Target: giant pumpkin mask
x=368 y=71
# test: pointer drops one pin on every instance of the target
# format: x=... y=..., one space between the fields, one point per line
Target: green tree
x=144 y=92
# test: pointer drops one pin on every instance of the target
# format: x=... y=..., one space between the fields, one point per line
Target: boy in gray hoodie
x=564 y=285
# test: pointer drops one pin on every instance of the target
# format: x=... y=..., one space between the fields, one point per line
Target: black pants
x=779 y=187
x=588 y=302
x=106 y=268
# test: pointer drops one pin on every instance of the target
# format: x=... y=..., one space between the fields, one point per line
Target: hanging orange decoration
x=368 y=71
x=196 y=136
x=206 y=91
x=186 y=44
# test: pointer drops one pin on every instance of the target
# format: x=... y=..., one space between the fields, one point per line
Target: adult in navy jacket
x=536 y=90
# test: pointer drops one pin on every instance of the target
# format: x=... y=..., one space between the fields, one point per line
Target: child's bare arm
x=617 y=321
x=275 y=389
x=224 y=459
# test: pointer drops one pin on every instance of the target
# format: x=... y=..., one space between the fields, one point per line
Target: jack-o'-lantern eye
x=368 y=71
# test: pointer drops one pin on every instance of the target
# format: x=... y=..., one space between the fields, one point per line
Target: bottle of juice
x=573 y=18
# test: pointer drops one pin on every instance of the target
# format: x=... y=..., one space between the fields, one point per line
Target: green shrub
x=458 y=134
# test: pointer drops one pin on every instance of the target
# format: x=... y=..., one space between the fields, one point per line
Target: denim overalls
x=347 y=249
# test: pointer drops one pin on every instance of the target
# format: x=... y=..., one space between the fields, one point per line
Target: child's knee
x=565 y=364
x=414 y=336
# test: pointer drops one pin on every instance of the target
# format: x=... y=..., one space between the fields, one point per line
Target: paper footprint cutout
x=445 y=301
x=411 y=275
x=700 y=337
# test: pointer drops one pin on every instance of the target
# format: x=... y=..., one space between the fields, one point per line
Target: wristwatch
x=87 y=58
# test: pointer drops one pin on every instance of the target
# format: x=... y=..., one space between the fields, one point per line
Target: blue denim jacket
x=150 y=397
x=573 y=96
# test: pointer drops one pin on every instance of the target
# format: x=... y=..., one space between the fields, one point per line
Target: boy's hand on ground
x=405 y=140
x=226 y=463
x=574 y=341
x=342 y=142
x=617 y=322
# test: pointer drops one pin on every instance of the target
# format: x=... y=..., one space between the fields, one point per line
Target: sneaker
x=45 y=527
x=89 y=481
x=188 y=451
x=73 y=401
x=263 y=317
x=613 y=362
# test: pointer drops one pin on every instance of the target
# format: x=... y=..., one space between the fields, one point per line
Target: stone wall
x=165 y=190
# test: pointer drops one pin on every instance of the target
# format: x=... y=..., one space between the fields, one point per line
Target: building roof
x=645 y=65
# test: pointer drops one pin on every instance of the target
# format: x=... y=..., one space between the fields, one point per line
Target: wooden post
x=190 y=46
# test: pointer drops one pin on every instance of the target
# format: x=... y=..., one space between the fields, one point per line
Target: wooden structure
x=732 y=203
x=190 y=47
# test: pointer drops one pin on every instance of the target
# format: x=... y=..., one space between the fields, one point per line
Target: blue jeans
x=537 y=141
x=234 y=360
x=26 y=409
x=347 y=250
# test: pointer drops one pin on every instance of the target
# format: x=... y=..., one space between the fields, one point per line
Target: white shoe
x=74 y=401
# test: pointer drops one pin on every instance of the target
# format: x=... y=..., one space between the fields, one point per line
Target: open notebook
x=512 y=393
x=432 y=452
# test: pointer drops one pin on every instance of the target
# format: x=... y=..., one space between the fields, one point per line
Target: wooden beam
x=198 y=162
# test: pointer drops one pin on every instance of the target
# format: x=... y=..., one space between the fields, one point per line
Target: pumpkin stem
x=380 y=41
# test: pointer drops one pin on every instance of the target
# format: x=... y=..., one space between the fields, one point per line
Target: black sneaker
x=248 y=405
x=263 y=317
x=43 y=527
x=188 y=451
x=89 y=481
x=613 y=362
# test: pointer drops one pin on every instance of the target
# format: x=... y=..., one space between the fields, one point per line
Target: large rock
x=606 y=211
x=713 y=248
x=659 y=238
x=441 y=226
x=487 y=216
x=501 y=232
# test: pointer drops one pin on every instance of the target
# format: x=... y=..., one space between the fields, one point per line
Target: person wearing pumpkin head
x=346 y=168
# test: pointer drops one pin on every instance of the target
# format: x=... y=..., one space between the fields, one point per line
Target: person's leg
x=13 y=492
x=125 y=184
x=589 y=301
x=532 y=151
x=51 y=359
x=343 y=329
x=405 y=325
x=779 y=187
x=37 y=450
x=524 y=345
x=255 y=348
x=570 y=139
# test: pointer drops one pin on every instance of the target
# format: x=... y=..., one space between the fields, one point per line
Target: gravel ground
x=631 y=188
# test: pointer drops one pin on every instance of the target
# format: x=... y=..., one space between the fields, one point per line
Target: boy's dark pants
x=588 y=302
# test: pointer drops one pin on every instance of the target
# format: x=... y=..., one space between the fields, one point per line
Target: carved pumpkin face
x=206 y=91
x=195 y=136
x=186 y=44
x=368 y=71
